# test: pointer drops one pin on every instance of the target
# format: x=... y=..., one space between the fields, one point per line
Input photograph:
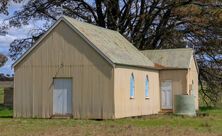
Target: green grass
x=5 y=111
x=1 y=95
x=210 y=123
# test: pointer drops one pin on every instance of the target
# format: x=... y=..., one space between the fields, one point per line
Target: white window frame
x=147 y=89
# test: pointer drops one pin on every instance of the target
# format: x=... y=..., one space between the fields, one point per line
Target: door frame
x=171 y=95
x=72 y=109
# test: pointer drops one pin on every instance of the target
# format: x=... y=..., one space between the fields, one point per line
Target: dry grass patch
x=102 y=130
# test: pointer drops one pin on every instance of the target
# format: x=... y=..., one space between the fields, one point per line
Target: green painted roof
x=111 y=44
x=170 y=58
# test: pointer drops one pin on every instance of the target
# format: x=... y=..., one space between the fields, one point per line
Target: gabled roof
x=170 y=58
x=108 y=43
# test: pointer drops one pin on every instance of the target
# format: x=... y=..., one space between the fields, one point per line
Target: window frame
x=147 y=87
x=132 y=86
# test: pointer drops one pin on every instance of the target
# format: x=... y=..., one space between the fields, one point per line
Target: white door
x=166 y=94
x=62 y=97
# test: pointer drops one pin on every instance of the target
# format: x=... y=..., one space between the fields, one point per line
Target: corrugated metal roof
x=170 y=58
x=112 y=44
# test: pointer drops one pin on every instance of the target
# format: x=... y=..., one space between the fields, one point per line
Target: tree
x=4 y=4
x=3 y=59
x=148 y=24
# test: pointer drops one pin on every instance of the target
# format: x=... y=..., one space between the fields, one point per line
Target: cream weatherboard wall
x=193 y=79
x=139 y=105
x=64 y=54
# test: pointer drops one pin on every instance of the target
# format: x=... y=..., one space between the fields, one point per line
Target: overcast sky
x=13 y=33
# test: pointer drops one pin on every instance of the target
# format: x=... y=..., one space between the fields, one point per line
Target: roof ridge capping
x=79 y=21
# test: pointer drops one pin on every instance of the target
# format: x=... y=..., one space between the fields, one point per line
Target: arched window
x=147 y=86
x=132 y=86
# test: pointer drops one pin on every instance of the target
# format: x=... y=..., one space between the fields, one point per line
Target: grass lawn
x=155 y=125
x=5 y=112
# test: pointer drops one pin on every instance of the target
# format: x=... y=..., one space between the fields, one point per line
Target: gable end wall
x=63 y=53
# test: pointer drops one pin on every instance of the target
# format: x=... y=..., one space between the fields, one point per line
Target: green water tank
x=185 y=105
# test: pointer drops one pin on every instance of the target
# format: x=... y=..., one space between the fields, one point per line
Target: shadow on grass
x=209 y=108
x=2 y=107
x=5 y=111
x=6 y=116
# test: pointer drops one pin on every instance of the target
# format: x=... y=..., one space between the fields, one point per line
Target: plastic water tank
x=185 y=105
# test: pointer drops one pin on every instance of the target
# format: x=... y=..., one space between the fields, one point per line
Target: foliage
x=4 y=5
x=3 y=59
x=6 y=77
x=148 y=24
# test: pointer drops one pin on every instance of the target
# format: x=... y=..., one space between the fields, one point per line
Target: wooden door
x=62 y=97
x=166 y=94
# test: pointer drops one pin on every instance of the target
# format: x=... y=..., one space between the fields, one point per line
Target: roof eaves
x=173 y=68
x=138 y=66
